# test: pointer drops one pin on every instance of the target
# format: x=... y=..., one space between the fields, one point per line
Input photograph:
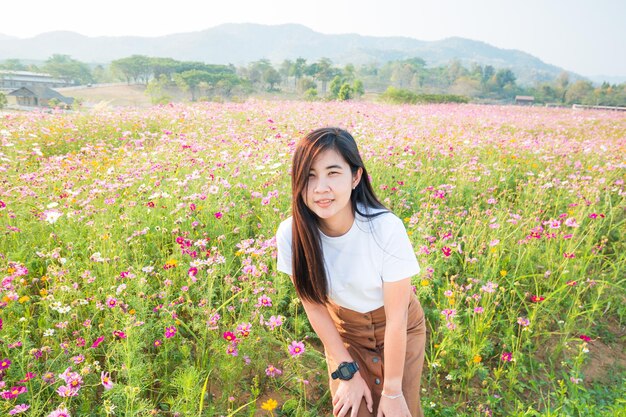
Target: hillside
x=251 y=42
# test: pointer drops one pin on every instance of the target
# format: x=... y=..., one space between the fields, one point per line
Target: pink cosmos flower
x=272 y=371
x=170 y=331
x=274 y=322
x=296 y=349
x=66 y=391
x=119 y=334
x=264 y=301
x=446 y=251
x=13 y=392
x=585 y=338
x=192 y=272
x=111 y=302
x=243 y=329
x=4 y=364
x=19 y=409
x=229 y=336
x=48 y=378
x=60 y=412
x=218 y=215
x=232 y=349
x=507 y=357
x=28 y=377
x=2 y=204
x=106 y=381
x=97 y=342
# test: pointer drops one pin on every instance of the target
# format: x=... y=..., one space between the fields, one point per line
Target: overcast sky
x=584 y=36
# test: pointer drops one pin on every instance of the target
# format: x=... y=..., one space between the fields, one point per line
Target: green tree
x=155 y=90
x=68 y=69
x=306 y=83
x=581 y=92
x=324 y=72
x=3 y=100
x=335 y=86
x=310 y=94
x=357 y=87
x=345 y=93
x=135 y=68
x=13 y=65
x=297 y=70
x=271 y=77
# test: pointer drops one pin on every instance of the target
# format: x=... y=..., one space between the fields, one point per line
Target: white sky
x=584 y=36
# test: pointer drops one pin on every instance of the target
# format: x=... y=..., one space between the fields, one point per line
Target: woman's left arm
x=396 y=298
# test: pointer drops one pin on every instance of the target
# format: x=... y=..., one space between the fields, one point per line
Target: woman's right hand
x=348 y=396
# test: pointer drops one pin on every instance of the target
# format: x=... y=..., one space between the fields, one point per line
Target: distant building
x=10 y=80
x=37 y=96
x=524 y=100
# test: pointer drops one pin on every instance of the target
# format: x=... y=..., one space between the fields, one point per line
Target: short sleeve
x=283 y=247
x=399 y=259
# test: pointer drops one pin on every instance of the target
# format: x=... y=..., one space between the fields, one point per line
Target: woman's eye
x=333 y=172
x=311 y=175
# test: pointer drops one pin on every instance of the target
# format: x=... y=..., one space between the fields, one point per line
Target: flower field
x=137 y=258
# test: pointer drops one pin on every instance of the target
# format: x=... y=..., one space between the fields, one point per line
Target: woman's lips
x=324 y=203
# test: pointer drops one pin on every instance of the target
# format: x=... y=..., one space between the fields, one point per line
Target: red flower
x=537 y=298
x=446 y=251
x=585 y=337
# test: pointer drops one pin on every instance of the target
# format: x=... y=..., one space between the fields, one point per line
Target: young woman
x=351 y=262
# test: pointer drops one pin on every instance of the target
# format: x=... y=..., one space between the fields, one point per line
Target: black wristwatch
x=345 y=371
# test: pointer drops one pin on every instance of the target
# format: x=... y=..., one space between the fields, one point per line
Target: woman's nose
x=321 y=185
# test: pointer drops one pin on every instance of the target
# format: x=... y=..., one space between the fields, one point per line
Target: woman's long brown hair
x=309 y=273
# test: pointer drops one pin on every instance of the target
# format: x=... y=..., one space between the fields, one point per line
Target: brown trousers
x=363 y=335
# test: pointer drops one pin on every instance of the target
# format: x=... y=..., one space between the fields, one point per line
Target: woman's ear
x=357 y=177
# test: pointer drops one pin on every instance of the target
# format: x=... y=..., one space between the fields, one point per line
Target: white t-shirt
x=357 y=262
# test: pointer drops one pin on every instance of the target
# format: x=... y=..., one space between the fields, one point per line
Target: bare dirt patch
x=113 y=95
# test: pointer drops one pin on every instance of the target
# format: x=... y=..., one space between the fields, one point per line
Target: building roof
x=524 y=98
x=41 y=92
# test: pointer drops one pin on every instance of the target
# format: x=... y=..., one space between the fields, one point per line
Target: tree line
x=408 y=80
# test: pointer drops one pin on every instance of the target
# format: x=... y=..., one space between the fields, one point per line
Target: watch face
x=344 y=372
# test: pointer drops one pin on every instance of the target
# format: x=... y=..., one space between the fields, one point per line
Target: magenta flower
x=106 y=381
x=19 y=409
x=2 y=204
x=28 y=377
x=218 y=215
x=111 y=302
x=170 y=331
x=119 y=334
x=97 y=342
x=13 y=392
x=446 y=251
x=4 y=364
x=296 y=348
x=585 y=338
x=507 y=357
x=192 y=272
x=229 y=336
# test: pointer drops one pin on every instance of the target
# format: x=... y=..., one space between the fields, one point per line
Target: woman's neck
x=337 y=227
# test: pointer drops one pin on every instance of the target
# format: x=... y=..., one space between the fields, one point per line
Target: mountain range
x=241 y=43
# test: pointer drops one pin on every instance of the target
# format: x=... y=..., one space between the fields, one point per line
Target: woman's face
x=329 y=189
